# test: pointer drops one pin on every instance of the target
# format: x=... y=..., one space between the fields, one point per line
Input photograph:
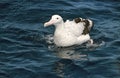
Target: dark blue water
x=25 y=52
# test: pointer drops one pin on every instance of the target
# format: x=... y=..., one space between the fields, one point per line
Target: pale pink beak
x=51 y=22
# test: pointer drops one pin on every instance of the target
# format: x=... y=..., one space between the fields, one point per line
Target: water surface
x=25 y=53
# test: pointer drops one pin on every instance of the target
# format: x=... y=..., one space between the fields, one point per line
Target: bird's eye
x=57 y=18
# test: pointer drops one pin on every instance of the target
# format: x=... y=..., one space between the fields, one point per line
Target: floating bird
x=75 y=32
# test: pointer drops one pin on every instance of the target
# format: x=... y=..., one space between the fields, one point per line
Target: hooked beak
x=49 y=23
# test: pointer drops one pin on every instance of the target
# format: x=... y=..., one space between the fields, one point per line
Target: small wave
x=115 y=43
x=3 y=74
x=49 y=39
x=94 y=45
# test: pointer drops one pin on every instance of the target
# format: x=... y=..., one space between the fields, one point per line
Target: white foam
x=94 y=45
x=49 y=39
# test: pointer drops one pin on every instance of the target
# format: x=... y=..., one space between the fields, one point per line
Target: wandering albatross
x=75 y=32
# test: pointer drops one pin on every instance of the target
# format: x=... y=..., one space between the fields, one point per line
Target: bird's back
x=74 y=28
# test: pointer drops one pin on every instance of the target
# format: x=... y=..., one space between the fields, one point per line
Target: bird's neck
x=59 y=29
x=60 y=25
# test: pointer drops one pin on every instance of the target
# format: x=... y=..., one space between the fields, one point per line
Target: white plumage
x=70 y=32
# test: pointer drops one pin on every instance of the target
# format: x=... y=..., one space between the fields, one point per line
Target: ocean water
x=25 y=49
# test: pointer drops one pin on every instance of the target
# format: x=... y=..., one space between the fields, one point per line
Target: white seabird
x=75 y=32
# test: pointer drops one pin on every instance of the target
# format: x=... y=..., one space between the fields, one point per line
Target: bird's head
x=55 y=20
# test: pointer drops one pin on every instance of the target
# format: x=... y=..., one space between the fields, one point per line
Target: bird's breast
x=64 y=39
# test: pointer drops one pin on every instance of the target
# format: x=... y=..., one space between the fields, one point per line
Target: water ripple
x=26 y=49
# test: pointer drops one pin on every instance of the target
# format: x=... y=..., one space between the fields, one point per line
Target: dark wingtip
x=88 y=25
x=77 y=20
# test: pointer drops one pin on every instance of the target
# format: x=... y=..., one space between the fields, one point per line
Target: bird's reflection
x=65 y=66
x=70 y=53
